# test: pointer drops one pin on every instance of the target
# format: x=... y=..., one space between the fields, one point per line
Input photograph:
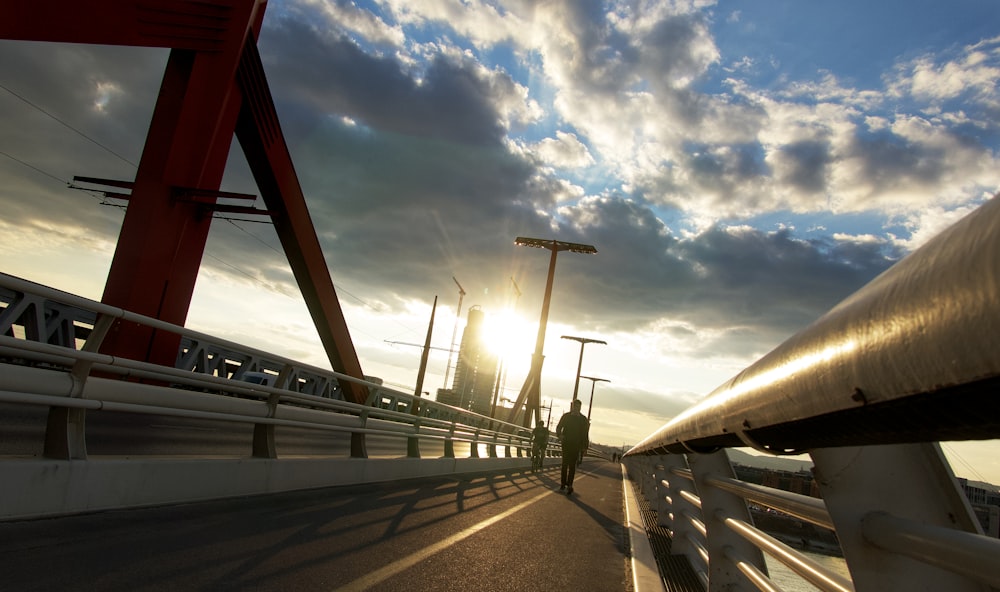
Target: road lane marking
x=380 y=575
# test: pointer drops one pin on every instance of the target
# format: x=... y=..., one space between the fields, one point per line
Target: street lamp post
x=593 y=381
x=531 y=389
x=579 y=366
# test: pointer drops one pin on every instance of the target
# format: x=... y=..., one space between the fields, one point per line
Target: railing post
x=263 y=433
x=683 y=508
x=65 y=429
x=647 y=466
x=449 y=442
x=670 y=487
x=358 y=447
x=412 y=447
x=716 y=506
x=510 y=444
x=474 y=446
x=908 y=481
x=492 y=448
x=413 y=442
x=65 y=434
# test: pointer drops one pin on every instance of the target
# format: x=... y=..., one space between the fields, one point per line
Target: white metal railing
x=868 y=391
x=957 y=552
x=64 y=377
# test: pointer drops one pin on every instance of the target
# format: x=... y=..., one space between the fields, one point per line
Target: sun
x=506 y=334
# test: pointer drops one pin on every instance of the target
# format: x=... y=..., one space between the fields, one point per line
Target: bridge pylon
x=213 y=87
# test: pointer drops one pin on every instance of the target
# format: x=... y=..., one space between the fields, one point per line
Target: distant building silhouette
x=475 y=371
x=801 y=482
x=985 y=501
x=983 y=497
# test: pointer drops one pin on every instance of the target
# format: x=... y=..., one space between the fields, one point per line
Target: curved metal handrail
x=917 y=342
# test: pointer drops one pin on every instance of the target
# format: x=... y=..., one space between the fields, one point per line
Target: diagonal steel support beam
x=264 y=145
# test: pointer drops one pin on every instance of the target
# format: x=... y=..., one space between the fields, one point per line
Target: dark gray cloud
x=72 y=110
x=331 y=74
x=774 y=279
x=755 y=285
x=807 y=165
x=670 y=50
x=889 y=160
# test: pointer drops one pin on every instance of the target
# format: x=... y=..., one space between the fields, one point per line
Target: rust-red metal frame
x=213 y=86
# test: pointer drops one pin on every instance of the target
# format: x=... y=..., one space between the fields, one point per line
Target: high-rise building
x=475 y=371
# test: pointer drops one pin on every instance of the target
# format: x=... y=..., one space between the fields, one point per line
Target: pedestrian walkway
x=507 y=531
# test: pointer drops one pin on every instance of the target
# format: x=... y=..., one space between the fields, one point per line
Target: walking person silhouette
x=573 y=431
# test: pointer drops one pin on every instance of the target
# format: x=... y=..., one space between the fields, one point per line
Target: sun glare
x=506 y=334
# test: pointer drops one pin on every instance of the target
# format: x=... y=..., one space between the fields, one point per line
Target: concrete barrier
x=49 y=488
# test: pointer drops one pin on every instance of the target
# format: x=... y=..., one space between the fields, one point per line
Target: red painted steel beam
x=264 y=145
x=172 y=24
x=163 y=239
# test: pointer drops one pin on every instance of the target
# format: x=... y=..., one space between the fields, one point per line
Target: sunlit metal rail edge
x=868 y=391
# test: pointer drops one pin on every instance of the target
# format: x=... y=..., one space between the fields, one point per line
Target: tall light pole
x=579 y=366
x=412 y=446
x=530 y=391
x=593 y=381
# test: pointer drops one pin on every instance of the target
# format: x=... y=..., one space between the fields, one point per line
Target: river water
x=789 y=581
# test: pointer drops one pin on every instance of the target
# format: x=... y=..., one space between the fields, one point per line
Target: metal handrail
x=810 y=509
x=752 y=572
x=919 y=337
x=964 y=553
x=174 y=403
x=800 y=506
x=813 y=572
x=470 y=426
x=954 y=550
x=868 y=390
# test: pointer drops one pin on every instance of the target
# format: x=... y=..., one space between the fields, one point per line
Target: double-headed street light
x=579 y=366
x=593 y=381
x=531 y=389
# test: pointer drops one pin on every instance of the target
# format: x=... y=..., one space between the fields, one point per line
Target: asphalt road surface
x=508 y=531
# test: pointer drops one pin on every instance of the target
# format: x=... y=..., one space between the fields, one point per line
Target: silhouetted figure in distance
x=539 y=442
x=574 y=433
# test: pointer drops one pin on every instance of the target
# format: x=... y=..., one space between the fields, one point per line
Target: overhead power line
x=78 y=132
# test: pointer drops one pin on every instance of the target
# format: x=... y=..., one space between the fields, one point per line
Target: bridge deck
x=511 y=531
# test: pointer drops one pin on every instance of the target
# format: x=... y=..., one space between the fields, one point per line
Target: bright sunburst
x=508 y=335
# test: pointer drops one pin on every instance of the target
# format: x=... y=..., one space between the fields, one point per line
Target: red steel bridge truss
x=213 y=87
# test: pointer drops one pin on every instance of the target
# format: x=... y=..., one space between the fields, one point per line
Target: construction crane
x=454 y=332
x=516 y=289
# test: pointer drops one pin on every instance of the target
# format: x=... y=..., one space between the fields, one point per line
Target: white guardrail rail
x=868 y=391
x=50 y=363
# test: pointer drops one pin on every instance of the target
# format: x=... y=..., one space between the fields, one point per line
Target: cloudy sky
x=740 y=166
